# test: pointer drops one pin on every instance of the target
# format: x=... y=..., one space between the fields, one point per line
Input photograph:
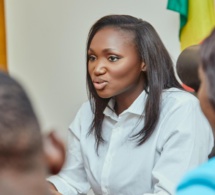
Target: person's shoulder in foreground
x=199 y=181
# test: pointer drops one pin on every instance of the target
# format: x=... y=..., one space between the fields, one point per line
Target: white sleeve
x=72 y=179
x=185 y=142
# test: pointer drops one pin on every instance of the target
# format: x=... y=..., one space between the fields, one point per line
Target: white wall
x=46 y=48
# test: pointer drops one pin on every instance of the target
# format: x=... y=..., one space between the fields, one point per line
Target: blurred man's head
x=206 y=92
x=20 y=136
x=24 y=160
x=187 y=67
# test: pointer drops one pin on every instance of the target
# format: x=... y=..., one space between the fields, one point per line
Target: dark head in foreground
x=206 y=92
x=24 y=164
x=201 y=180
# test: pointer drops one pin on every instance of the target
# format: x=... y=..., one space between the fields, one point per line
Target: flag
x=197 y=19
x=3 y=58
x=187 y=88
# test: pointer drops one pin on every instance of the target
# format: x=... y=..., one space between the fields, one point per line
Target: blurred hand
x=55 y=152
x=53 y=190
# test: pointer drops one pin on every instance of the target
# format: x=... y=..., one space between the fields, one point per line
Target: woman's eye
x=113 y=58
x=91 y=58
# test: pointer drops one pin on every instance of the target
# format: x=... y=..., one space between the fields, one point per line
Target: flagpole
x=3 y=53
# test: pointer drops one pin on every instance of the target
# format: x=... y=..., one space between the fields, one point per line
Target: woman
x=202 y=179
x=137 y=134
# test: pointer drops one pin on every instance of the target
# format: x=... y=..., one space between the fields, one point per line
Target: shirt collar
x=137 y=107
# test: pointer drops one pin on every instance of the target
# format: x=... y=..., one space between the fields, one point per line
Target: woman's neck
x=124 y=102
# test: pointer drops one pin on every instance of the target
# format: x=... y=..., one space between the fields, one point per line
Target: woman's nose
x=100 y=68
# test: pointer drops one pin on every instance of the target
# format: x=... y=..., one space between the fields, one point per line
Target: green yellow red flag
x=197 y=19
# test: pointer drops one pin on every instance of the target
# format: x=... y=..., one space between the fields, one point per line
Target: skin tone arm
x=53 y=190
x=54 y=150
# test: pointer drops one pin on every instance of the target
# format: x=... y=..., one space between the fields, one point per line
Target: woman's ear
x=143 y=67
x=55 y=152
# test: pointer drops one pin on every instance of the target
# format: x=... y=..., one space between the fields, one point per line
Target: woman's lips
x=100 y=85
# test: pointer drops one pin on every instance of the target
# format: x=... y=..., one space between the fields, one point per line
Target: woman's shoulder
x=179 y=96
x=179 y=102
x=84 y=112
x=82 y=120
x=86 y=105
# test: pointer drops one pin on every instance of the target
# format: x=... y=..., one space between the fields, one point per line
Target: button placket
x=108 y=163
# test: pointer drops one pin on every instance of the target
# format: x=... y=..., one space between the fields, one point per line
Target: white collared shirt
x=181 y=141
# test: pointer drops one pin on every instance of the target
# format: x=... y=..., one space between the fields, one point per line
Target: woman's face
x=114 y=64
x=203 y=98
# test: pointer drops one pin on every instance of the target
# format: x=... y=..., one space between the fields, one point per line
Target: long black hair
x=159 y=75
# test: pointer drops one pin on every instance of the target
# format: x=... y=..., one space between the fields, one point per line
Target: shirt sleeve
x=185 y=142
x=72 y=179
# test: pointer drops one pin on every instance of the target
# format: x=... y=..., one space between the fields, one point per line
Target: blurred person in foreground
x=25 y=157
x=202 y=179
